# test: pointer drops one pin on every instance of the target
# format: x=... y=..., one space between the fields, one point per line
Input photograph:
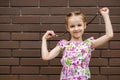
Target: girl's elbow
x=110 y=36
x=45 y=58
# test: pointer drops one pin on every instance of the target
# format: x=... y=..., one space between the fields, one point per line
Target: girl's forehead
x=75 y=19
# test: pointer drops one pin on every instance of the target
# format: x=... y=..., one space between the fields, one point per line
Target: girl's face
x=76 y=26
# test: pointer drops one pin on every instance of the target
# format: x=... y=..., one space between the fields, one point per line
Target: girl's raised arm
x=46 y=55
x=108 y=29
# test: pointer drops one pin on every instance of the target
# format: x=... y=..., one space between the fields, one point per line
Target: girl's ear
x=67 y=27
x=85 y=25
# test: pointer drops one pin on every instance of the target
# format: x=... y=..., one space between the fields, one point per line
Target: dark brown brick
x=4 y=70
x=114 y=45
x=9 y=61
x=88 y=35
x=114 y=77
x=55 y=3
x=96 y=53
x=9 y=77
x=50 y=70
x=36 y=11
x=26 y=53
x=25 y=70
x=110 y=70
x=54 y=77
x=62 y=10
x=24 y=3
x=116 y=28
x=114 y=62
x=94 y=70
x=53 y=44
x=100 y=77
x=57 y=27
x=9 y=11
x=10 y=27
x=55 y=61
x=89 y=10
x=33 y=62
x=99 y=62
x=25 y=36
x=114 y=11
x=114 y=19
x=26 y=19
x=95 y=28
x=4 y=3
x=35 y=27
x=52 y=19
x=9 y=44
x=5 y=53
x=110 y=53
x=95 y=21
x=116 y=36
x=112 y=3
x=104 y=46
x=65 y=11
x=24 y=22
x=5 y=19
x=83 y=3
x=4 y=36
x=33 y=77
x=30 y=44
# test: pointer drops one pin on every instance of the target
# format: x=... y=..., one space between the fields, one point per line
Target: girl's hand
x=49 y=34
x=104 y=11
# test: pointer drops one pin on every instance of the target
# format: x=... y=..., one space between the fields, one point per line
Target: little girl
x=76 y=52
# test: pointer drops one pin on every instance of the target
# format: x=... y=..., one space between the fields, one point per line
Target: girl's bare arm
x=46 y=55
x=108 y=29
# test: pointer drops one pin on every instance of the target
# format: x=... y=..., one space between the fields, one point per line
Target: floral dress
x=75 y=59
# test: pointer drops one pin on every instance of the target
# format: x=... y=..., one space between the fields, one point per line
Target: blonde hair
x=75 y=13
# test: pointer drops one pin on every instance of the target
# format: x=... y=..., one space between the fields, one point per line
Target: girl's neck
x=76 y=40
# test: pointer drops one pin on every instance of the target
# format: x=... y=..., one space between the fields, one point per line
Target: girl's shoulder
x=62 y=43
x=89 y=40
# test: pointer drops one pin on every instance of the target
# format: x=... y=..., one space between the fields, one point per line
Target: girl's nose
x=76 y=27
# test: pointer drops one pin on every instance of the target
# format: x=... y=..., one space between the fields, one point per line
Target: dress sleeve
x=89 y=43
x=61 y=43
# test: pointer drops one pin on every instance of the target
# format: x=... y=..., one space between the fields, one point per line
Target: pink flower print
x=89 y=56
x=79 y=78
x=63 y=69
x=76 y=44
x=71 y=73
x=75 y=65
x=72 y=49
x=82 y=65
x=83 y=51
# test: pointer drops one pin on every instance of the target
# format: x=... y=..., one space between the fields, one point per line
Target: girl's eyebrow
x=70 y=14
x=73 y=13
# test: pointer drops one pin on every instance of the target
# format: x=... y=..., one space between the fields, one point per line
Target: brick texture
x=23 y=23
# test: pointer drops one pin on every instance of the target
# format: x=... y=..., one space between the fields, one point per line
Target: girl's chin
x=76 y=37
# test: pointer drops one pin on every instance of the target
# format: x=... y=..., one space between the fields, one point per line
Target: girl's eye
x=72 y=26
x=79 y=25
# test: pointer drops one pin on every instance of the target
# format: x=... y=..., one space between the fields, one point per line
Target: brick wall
x=23 y=22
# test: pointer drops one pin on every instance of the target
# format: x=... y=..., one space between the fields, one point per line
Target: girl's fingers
x=49 y=34
x=104 y=9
